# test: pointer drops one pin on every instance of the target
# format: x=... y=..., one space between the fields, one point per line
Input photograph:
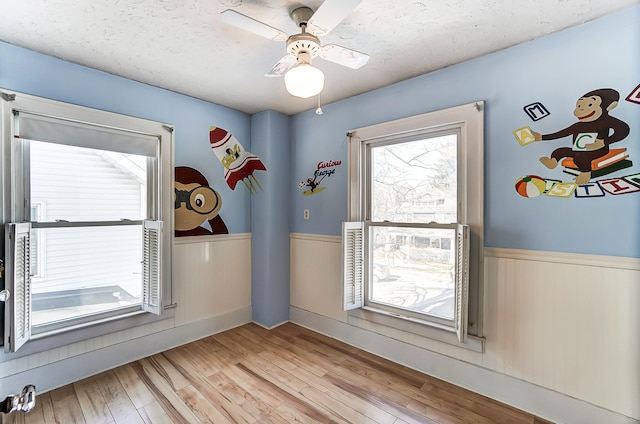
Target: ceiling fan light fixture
x=304 y=80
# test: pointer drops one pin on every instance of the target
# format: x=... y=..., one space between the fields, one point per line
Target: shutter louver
x=19 y=284
x=462 y=281
x=152 y=267
x=353 y=264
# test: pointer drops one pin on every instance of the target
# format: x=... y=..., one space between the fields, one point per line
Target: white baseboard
x=60 y=373
x=271 y=327
x=544 y=403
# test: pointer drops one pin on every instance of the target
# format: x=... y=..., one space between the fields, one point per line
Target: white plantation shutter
x=152 y=267
x=19 y=285
x=462 y=281
x=353 y=264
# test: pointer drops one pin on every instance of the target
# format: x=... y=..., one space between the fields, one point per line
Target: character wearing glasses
x=196 y=205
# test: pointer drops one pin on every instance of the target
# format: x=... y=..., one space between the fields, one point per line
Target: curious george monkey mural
x=590 y=155
x=196 y=205
x=592 y=134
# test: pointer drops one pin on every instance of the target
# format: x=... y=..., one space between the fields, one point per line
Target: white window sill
x=415 y=326
x=54 y=339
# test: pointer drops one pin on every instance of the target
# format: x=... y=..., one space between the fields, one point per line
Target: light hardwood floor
x=253 y=375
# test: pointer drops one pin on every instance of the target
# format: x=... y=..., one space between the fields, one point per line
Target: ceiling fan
x=302 y=79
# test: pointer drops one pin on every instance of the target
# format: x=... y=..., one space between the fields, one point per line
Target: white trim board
x=270 y=327
x=522 y=254
x=617 y=262
x=520 y=394
x=209 y=238
x=316 y=237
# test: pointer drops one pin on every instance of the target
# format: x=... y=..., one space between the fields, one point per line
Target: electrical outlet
x=306 y=214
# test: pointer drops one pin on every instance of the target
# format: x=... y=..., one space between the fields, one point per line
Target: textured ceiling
x=183 y=46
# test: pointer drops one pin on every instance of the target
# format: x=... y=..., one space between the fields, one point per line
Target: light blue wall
x=555 y=70
x=28 y=72
x=270 y=220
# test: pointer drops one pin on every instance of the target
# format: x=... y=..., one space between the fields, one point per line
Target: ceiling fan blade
x=282 y=66
x=329 y=14
x=249 y=24
x=343 y=56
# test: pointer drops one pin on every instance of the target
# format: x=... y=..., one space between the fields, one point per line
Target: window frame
x=15 y=208
x=38 y=209
x=468 y=120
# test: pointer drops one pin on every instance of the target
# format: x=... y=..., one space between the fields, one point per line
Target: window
x=97 y=251
x=413 y=246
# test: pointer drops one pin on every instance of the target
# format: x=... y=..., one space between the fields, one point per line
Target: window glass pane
x=81 y=184
x=415 y=181
x=88 y=270
x=413 y=268
x=85 y=270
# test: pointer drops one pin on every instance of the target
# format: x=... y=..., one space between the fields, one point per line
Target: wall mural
x=239 y=165
x=323 y=170
x=589 y=157
x=196 y=205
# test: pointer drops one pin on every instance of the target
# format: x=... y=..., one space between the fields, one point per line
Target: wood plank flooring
x=253 y=375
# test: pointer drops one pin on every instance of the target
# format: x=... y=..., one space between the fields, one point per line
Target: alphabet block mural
x=589 y=155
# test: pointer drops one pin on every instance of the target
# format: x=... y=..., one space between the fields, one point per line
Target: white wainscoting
x=212 y=275
x=564 y=322
x=570 y=323
x=212 y=289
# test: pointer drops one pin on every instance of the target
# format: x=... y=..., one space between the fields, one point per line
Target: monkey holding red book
x=592 y=134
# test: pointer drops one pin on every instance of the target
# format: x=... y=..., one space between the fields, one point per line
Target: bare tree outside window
x=414 y=182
